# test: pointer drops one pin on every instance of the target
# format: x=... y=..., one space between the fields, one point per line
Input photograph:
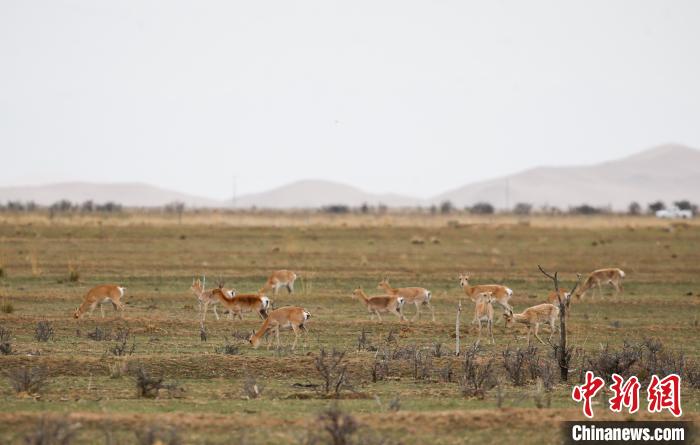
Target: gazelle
x=501 y=294
x=278 y=279
x=239 y=304
x=285 y=317
x=612 y=276
x=206 y=298
x=552 y=296
x=381 y=303
x=99 y=295
x=411 y=295
x=533 y=316
x=483 y=311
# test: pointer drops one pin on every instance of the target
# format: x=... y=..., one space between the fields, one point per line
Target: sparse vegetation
x=332 y=369
x=158 y=435
x=51 y=431
x=5 y=341
x=43 y=331
x=28 y=380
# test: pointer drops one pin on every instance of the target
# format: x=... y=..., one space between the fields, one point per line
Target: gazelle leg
x=215 y=312
x=537 y=326
x=432 y=311
x=277 y=334
x=493 y=342
x=378 y=316
x=398 y=314
x=102 y=310
x=552 y=328
x=290 y=289
x=204 y=311
x=417 y=316
x=296 y=336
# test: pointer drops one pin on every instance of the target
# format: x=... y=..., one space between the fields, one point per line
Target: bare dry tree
x=563 y=355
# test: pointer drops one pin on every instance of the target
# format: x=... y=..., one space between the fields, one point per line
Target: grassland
x=156 y=257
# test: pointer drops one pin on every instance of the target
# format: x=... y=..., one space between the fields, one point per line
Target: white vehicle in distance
x=674 y=213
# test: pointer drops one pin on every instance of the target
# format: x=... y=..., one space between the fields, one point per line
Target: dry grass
x=440 y=395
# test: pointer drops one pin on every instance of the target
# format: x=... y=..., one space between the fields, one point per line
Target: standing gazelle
x=278 y=279
x=381 y=303
x=238 y=304
x=99 y=295
x=533 y=316
x=612 y=276
x=501 y=294
x=206 y=298
x=483 y=311
x=285 y=317
x=411 y=295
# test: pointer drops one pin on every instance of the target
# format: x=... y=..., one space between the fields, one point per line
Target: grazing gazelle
x=612 y=276
x=284 y=317
x=501 y=294
x=99 y=295
x=206 y=298
x=483 y=311
x=411 y=295
x=381 y=303
x=278 y=279
x=238 y=304
x=533 y=316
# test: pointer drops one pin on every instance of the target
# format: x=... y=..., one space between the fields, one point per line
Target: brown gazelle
x=533 y=316
x=278 y=279
x=483 y=311
x=285 y=317
x=239 y=304
x=411 y=295
x=382 y=303
x=99 y=295
x=205 y=298
x=612 y=276
x=501 y=294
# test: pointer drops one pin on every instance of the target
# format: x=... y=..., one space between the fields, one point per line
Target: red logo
x=665 y=394
x=626 y=394
x=661 y=393
x=587 y=391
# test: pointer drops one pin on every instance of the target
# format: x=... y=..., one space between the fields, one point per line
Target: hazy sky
x=406 y=97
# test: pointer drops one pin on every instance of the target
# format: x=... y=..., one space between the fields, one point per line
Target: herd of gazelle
x=293 y=317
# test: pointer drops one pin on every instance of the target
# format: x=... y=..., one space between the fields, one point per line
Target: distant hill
x=317 y=193
x=127 y=194
x=669 y=173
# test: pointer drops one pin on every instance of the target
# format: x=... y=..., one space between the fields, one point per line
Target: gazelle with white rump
x=206 y=298
x=411 y=295
x=285 y=317
x=99 y=295
x=238 y=304
x=533 y=317
x=483 y=311
x=382 y=303
x=501 y=294
x=278 y=279
x=612 y=276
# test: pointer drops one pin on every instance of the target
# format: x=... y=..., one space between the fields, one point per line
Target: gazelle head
x=463 y=279
x=78 y=312
x=508 y=316
x=358 y=292
x=485 y=296
x=196 y=287
x=384 y=284
x=254 y=341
